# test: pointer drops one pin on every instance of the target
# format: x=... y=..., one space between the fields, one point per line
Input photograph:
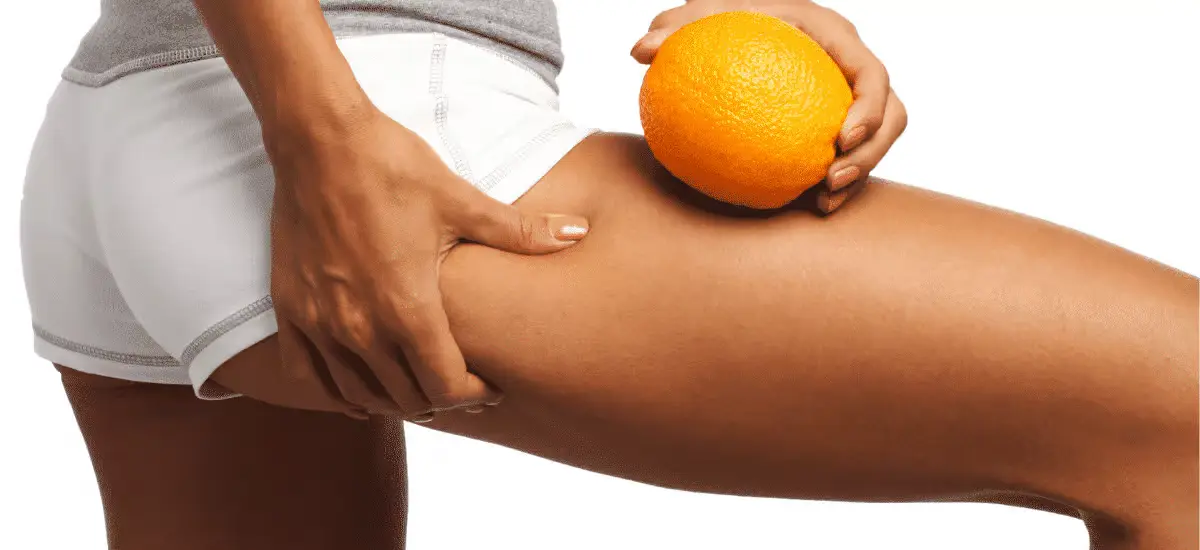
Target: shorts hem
x=528 y=166
x=98 y=366
x=223 y=348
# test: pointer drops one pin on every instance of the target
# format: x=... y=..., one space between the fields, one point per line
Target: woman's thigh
x=912 y=346
x=177 y=472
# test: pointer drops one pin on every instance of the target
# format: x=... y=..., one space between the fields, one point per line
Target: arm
x=356 y=237
x=286 y=59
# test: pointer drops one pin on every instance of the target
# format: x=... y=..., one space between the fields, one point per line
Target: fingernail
x=474 y=409
x=836 y=201
x=828 y=202
x=567 y=228
x=854 y=137
x=844 y=177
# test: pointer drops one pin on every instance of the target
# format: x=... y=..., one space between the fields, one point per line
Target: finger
x=385 y=376
x=867 y=76
x=303 y=368
x=345 y=374
x=829 y=201
x=355 y=381
x=485 y=220
x=387 y=363
x=866 y=114
x=445 y=379
x=422 y=418
x=661 y=27
x=434 y=359
x=858 y=163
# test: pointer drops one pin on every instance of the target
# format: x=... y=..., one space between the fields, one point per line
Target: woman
x=644 y=332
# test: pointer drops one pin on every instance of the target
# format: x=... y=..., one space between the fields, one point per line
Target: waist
x=123 y=42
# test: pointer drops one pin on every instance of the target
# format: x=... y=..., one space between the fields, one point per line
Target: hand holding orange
x=755 y=107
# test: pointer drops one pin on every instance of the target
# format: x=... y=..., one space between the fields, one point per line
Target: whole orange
x=745 y=108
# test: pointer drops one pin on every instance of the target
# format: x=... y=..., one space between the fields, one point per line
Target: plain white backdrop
x=1079 y=112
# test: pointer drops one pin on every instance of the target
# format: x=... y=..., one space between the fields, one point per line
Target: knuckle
x=665 y=18
x=901 y=115
x=884 y=76
x=901 y=121
x=660 y=20
x=303 y=312
x=873 y=119
x=844 y=25
x=840 y=21
x=527 y=230
x=482 y=212
x=402 y=314
x=355 y=330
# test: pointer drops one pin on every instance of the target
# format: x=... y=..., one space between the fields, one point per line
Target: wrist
x=306 y=120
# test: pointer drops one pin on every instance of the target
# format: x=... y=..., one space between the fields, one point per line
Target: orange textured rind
x=744 y=108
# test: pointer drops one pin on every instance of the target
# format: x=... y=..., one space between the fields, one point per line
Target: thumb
x=498 y=225
x=647 y=46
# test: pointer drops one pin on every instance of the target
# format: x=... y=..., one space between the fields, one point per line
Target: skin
x=1000 y=359
x=176 y=472
x=365 y=212
x=1003 y=359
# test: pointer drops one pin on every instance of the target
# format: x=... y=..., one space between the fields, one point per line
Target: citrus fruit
x=744 y=108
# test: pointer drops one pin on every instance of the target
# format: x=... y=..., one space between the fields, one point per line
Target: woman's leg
x=911 y=347
x=176 y=472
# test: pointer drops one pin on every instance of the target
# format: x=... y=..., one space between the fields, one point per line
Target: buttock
x=145 y=219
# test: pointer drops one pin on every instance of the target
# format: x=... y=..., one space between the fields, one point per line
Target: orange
x=745 y=108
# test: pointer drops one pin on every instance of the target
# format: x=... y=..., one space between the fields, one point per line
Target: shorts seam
x=222 y=327
x=502 y=171
x=134 y=359
x=199 y=344
x=153 y=61
x=441 y=107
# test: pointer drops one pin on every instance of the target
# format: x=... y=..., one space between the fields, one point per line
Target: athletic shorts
x=145 y=219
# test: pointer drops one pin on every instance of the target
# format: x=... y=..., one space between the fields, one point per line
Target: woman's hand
x=877 y=117
x=363 y=216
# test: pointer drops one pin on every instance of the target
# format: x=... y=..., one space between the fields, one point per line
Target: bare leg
x=911 y=347
x=176 y=472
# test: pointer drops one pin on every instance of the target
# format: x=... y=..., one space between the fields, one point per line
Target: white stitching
x=99 y=353
x=503 y=170
x=206 y=338
x=441 y=108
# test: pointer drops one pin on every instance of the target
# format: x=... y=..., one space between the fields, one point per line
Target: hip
x=146 y=211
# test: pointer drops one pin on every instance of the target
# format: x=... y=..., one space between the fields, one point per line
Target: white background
x=1080 y=112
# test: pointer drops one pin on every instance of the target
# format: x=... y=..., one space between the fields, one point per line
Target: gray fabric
x=136 y=35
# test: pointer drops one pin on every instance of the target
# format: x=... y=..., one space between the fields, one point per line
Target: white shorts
x=144 y=224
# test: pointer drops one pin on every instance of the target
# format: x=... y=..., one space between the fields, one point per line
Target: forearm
x=286 y=59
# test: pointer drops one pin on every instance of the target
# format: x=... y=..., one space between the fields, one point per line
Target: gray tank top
x=137 y=35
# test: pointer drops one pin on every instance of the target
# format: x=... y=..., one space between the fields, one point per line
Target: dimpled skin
x=745 y=108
